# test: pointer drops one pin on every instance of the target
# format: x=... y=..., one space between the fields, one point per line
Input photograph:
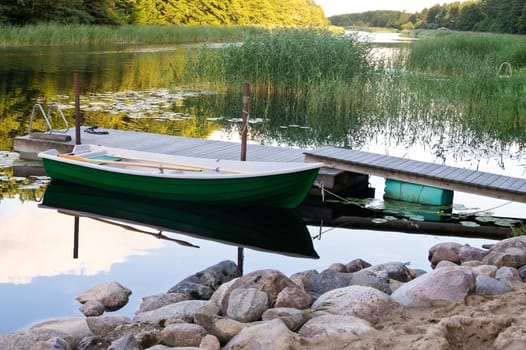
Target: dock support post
x=244 y=134
x=77 y=107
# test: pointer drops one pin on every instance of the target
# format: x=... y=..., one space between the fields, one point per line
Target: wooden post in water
x=77 y=107
x=244 y=134
x=76 y=238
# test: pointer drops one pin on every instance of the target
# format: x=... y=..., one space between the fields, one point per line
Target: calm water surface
x=39 y=276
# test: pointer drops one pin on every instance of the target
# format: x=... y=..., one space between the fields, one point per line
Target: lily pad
x=469 y=223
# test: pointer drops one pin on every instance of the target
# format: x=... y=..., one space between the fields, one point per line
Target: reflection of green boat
x=214 y=181
x=278 y=230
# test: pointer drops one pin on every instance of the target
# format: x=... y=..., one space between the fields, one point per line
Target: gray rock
x=439 y=287
x=222 y=328
x=468 y=253
x=110 y=294
x=368 y=278
x=302 y=279
x=268 y=335
x=293 y=297
x=444 y=263
x=490 y=286
x=338 y=267
x=487 y=270
x=102 y=325
x=182 y=334
x=23 y=340
x=417 y=273
x=509 y=252
x=220 y=294
x=203 y=284
x=395 y=270
x=329 y=326
x=522 y=272
x=508 y=275
x=184 y=310
x=153 y=302
x=364 y=302
x=328 y=280
x=247 y=304
x=76 y=328
x=92 y=308
x=293 y=318
x=54 y=343
x=270 y=281
x=444 y=251
x=127 y=342
x=210 y=342
x=357 y=265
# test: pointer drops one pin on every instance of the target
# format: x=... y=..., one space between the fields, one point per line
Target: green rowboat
x=163 y=176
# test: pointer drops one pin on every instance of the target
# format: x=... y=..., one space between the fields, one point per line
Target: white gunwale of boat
x=245 y=168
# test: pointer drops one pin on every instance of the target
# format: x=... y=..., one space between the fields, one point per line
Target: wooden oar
x=102 y=161
x=201 y=167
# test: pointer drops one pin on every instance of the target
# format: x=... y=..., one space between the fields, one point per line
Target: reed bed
x=302 y=75
x=457 y=86
x=54 y=34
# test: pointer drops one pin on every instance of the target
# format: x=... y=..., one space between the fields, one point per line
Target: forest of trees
x=498 y=16
x=218 y=12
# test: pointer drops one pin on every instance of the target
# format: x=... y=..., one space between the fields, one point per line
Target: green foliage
x=207 y=12
x=499 y=16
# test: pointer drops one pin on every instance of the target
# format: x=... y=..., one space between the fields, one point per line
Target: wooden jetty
x=345 y=171
x=424 y=173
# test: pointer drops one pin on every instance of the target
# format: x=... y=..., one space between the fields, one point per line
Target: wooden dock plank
x=442 y=176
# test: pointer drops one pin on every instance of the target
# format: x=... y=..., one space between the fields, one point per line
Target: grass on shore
x=54 y=34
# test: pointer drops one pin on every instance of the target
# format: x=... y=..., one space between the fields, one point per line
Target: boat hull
x=282 y=190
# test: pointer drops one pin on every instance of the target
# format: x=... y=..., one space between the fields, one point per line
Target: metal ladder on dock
x=49 y=133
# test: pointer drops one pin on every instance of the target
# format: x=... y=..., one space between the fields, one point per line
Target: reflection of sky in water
x=39 y=278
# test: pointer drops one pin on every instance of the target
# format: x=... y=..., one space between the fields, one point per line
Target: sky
x=338 y=7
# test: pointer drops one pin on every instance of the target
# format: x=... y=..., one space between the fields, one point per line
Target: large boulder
x=328 y=280
x=184 y=310
x=444 y=251
x=269 y=281
x=293 y=297
x=364 y=302
x=442 y=286
x=267 y=335
x=247 y=304
x=102 y=325
x=156 y=301
x=182 y=334
x=394 y=270
x=110 y=294
x=509 y=252
x=330 y=326
x=203 y=284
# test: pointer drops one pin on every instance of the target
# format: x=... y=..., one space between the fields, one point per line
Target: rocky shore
x=472 y=298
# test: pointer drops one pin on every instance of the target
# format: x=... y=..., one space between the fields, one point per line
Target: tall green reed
x=55 y=34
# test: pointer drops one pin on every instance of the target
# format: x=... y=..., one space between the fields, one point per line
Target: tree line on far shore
x=497 y=16
x=210 y=12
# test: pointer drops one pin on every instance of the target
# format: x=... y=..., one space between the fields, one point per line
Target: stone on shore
x=375 y=279
x=269 y=281
x=364 y=302
x=293 y=318
x=328 y=280
x=490 y=286
x=508 y=252
x=247 y=304
x=329 y=326
x=469 y=253
x=357 y=265
x=444 y=251
x=156 y=301
x=102 y=325
x=54 y=343
x=184 y=310
x=293 y=297
x=442 y=286
x=92 y=308
x=182 y=334
x=203 y=284
x=267 y=335
x=110 y=294
x=126 y=342
x=395 y=270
